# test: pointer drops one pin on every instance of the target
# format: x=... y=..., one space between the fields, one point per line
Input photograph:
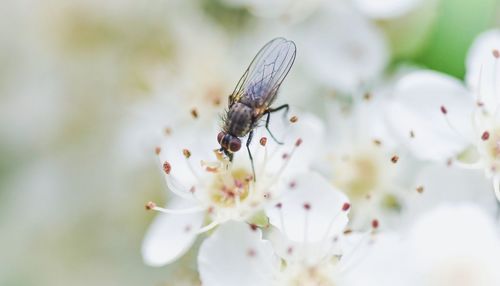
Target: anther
x=307 y=206
x=150 y=206
x=375 y=224
x=377 y=142
x=284 y=156
x=167 y=167
x=485 y=136
x=294 y=119
x=157 y=150
x=367 y=96
x=168 y=131
x=346 y=207
x=292 y=184
x=394 y=159
x=412 y=134
x=186 y=153
x=194 y=113
x=279 y=205
x=263 y=141
x=253 y=226
x=444 y=110
x=298 y=142
x=420 y=189
x=348 y=231
x=496 y=53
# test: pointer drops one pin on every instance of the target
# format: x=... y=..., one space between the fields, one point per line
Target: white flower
x=362 y=159
x=311 y=218
x=448 y=122
x=451 y=245
x=216 y=191
x=341 y=59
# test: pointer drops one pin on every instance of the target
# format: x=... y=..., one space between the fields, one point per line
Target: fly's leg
x=249 y=140
x=269 y=111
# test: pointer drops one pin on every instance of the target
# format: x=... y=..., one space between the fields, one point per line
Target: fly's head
x=228 y=143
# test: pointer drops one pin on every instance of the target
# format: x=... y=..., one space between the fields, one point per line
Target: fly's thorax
x=239 y=120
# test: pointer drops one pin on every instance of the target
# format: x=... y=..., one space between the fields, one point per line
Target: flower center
x=360 y=173
x=302 y=275
x=229 y=189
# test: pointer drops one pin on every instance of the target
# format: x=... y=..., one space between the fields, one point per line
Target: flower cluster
x=388 y=180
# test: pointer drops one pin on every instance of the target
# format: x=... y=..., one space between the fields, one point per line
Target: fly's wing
x=259 y=84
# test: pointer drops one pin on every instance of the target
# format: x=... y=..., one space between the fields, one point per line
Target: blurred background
x=88 y=87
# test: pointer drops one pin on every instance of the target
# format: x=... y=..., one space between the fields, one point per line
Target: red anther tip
x=395 y=159
x=167 y=167
x=375 y=224
x=307 y=206
x=263 y=141
x=150 y=206
x=485 y=136
x=253 y=227
x=279 y=205
x=298 y=142
x=346 y=206
x=496 y=53
x=186 y=153
x=444 y=110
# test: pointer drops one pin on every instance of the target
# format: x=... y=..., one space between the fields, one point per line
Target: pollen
x=167 y=167
x=485 y=136
x=186 y=153
x=294 y=119
x=263 y=141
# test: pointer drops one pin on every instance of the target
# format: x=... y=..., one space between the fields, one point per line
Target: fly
x=254 y=94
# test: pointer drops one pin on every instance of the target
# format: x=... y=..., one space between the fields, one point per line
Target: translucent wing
x=259 y=84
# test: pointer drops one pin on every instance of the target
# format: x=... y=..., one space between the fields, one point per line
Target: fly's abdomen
x=239 y=120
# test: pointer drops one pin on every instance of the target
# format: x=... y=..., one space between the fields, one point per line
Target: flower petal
x=236 y=255
x=420 y=99
x=310 y=211
x=386 y=9
x=170 y=236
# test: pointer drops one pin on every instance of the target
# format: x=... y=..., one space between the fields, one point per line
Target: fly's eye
x=220 y=136
x=234 y=144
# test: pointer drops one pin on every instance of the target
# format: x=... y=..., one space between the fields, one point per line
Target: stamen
x=282 y=220
x=194 y=113
x=294 y=119
x=298 y=142
x=207 y=227
x=420 y=189
x=157 y=150
x=496 y=53
x=448 y=122
x=307 y=207
x=345 y=207
x=186 y=153
x=263 y=141
x=395 y=159
x=375 y=224
x=485 y=136
x=153 y=206
x=167 y=167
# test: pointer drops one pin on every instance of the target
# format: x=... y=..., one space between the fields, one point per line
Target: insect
x=254 y=94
